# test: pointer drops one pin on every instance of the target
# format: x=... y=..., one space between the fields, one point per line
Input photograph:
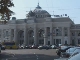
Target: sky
x=69 y=7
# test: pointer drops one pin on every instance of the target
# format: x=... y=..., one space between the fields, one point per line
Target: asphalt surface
x=28 y=54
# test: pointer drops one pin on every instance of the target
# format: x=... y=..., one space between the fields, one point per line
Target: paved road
x=28 y=54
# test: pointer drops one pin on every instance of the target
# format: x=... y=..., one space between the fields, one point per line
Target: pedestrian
x=59 y=52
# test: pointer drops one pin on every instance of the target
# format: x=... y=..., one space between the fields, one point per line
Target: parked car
x=44 y=47
x=22 y=47
x=53 y=46
x=3 y=47
x=27 y=47
x=62 y=49
x=68 y=52
x=34 y=47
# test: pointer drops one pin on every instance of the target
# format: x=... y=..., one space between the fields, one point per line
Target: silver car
x=76 y=51
x=75 y=57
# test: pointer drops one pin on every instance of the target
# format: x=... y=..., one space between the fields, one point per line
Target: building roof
x=38 y=12
x=62 y=19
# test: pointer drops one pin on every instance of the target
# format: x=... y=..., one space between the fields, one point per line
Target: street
x=28 y=54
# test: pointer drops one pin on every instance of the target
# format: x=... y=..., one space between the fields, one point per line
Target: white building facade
x=40 y=28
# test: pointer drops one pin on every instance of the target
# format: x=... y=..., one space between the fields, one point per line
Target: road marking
x=34 y=53
x=12 y=55
x=37 y=58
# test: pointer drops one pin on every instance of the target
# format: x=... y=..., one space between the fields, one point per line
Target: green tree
x=5 y=11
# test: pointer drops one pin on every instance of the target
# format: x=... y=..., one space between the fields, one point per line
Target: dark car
x=62 y=49
x=27 y=47
x=44 y=47
x=3 y=47
x=34 y=47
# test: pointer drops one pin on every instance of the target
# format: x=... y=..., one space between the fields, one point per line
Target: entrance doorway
x=48 y=42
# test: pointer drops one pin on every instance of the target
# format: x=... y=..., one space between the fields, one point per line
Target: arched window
x=31 y=33
x=41 y=33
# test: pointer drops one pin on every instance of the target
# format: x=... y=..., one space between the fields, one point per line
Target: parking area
x=29 y=54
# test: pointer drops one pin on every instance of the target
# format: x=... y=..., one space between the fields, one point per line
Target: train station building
x=40 y=28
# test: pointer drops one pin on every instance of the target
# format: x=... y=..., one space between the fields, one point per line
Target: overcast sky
x=70 y=7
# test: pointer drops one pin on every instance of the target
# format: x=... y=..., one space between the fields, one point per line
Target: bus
x=10 y=45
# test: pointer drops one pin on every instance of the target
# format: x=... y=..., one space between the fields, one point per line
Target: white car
x=53 y=47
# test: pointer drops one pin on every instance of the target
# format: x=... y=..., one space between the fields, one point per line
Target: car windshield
x=75 y=57
x=64 y=47
x=77 y=50
x=71 y=50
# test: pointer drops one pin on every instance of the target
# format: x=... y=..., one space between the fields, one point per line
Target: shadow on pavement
x=4 y=55
x=27 y=57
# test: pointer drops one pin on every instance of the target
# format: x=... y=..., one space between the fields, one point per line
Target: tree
x=4 y=9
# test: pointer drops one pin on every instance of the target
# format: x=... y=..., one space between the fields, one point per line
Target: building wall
x=24 y=28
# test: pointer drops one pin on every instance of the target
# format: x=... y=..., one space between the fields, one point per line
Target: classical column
x=25 y=36
x=45 y=36
x=2 y=37
x=68 y=35
x=15 y=35
x=62 y=41
x=51 y=36
x=10 y=35
x=76 y=41
x=35 y=35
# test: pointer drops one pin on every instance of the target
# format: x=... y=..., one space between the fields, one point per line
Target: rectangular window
x=48 y=31
x=58 y=41
x=54 y=41
x=73 y=34
x=65 y=34
x=78 y=41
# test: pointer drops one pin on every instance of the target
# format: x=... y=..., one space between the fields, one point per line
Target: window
x=58 y=41
x=73 y=34
x=41 y=33
x=7 y=33
x=78 y=34
x=78 y=41
x=57 y=29
x=65 y=29
x=65 y=34
x=36 y=16
x=12 y=32
x=58 y=32
x=48 y=31
x=54 y=41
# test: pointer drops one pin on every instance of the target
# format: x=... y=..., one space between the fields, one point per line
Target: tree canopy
x=5 y=11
